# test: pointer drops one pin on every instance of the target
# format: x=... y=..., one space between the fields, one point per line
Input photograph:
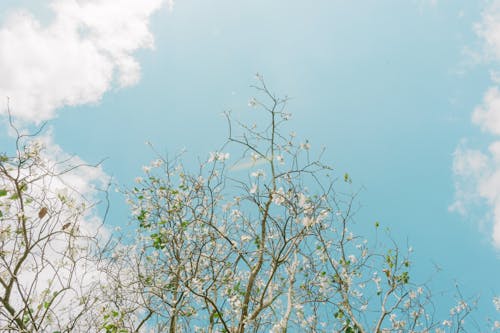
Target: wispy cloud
x=247 y=164
x=477 y=173
x=83 y=52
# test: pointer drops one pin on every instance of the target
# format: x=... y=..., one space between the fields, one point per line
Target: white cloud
x=489 y=30
x=487 y=115
x=477 y=173
x=86 y=49
x=477 y=176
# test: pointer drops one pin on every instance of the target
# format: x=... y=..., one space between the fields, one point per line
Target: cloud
x=487 y=115
x=476 y=172
x=477 y=178
x=247 y=164
x=489 y=31
x=86 y=50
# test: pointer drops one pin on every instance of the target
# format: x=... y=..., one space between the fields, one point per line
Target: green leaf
x=347 y=178
x=3 y=192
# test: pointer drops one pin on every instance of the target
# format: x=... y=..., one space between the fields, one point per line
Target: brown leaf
x=42 y=212
x=64 y=227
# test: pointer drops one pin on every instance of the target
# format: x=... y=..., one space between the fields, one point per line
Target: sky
x=403 y=93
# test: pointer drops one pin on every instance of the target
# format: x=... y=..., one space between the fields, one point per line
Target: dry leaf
x=42 y=212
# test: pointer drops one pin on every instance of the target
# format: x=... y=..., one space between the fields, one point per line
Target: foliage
x=265 y=244
x=262 y=243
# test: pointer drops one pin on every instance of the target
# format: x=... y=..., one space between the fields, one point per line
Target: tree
x=265 y=244
x=49 y=239
x=261 y=244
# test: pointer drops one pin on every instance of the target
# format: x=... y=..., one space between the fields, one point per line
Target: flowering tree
x=264 y=244
x=48 y=241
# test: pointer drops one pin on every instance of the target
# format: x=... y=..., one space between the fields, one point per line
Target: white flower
x=146 y=168
x=377 y=280
x=253 y=189
x=218 y=156
x=308 y=221
x=245 y=238
x=302 y=200
x=447 y=323
x=252 y=102
x=157 y=163
x=138 y=179
x=352 y=258
x=258 y=173
x=306 y=145
x=235 y=214
x=279 y=196
x=280 y=159
x=323 y=214
x=496 y=302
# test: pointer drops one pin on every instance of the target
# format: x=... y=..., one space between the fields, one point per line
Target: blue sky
x=396 y=90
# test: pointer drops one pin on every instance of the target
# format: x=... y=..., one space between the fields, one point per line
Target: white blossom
x=496 y=303
x=218 y=156
x=258 y=173
x=305 y=146
x=157 y=163
x=279 y=196
x=447 y=323
x=308 y=221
